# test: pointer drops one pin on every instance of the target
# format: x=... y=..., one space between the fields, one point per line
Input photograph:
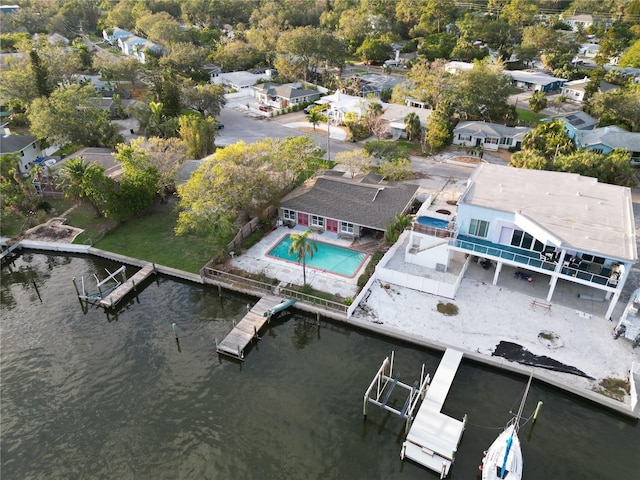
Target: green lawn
x=151 y=238
x=529 y=118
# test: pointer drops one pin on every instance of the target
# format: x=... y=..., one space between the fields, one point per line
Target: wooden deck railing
x=313 y=300
x=232 y=279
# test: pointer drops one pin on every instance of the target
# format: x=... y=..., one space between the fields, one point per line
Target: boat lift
x=103 y=287
x=384 y=383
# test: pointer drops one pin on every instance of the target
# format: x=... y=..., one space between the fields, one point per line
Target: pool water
x=327 y=257
x=433 y=222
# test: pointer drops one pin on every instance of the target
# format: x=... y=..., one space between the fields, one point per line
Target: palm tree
x=81 y=181
x=302 y=246
x=314 y=118
x=412 y=122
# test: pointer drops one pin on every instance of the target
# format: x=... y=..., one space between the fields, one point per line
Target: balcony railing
x=432 y=231
x=531 y=260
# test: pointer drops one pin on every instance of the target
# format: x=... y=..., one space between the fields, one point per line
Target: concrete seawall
x=495 y=362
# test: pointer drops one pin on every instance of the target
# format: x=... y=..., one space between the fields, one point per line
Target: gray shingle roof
x=359 y=200
x=491 y=130
x=15 y=143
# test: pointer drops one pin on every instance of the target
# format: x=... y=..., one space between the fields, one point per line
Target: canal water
x=87 y=396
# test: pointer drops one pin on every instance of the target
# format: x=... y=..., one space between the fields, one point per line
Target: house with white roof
x=579 y=22
x=340 y=104
x=25 y=146
x=489 y=136
x=535 y=81
x=240 y=80
x=455 y=67
x=562 y=227
x=395 y=115
x=575 y=90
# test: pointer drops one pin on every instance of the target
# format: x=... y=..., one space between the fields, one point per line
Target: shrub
x=448 y=309
x=348 y=301
x=369 y=269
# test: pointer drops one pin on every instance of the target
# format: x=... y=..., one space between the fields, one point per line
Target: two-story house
x=559 y=226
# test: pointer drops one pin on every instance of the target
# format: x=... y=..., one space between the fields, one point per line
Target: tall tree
x=70 y=116
x=86 y=182
x=166 y=155
x=242 y=178
x=198 y=134
x=537 y=102
x=356 y=161
x=302 y=247
x=549 y=140
x=481 y=93
x=207 y=99
x=618 y=107
x=412 y=123
x=40 y=75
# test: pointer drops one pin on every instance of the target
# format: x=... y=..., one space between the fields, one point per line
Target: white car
x=50 y=162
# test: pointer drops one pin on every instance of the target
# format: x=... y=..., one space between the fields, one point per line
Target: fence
x=248 y=229
x=313 y=300
x=231 y=280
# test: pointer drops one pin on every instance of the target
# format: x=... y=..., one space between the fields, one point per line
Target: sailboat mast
x=522 y=402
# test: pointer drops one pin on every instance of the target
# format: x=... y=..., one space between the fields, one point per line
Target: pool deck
x=256 y=260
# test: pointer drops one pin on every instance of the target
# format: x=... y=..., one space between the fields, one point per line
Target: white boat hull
x=494 y=460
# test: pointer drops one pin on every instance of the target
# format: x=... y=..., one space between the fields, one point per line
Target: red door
x=332 y=225
x=303 y=219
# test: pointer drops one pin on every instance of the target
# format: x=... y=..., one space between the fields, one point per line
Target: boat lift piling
x=384 y=383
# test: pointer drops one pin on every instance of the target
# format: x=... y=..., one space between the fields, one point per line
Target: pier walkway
x=247 y=329
x=434 y=437
x=112 y=300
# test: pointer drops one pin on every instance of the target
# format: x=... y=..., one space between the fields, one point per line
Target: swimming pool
x=433 y=222
x=331 y=258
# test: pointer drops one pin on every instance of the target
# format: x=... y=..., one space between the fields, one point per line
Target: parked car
x=265 y=108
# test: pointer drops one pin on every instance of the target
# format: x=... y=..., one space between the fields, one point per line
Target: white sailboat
x=503 y=459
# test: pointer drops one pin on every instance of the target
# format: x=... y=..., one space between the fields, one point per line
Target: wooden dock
x=116 y=296
x=434 y=437
x=247 y=329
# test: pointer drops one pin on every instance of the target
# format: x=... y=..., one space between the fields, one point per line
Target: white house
x=240 y=80
x=561 y=226
x=489 y=136
x=536 y=81
x=575 y=90
x=340 y=104
x=579 y=22
x=395 y=115
x=26 y=146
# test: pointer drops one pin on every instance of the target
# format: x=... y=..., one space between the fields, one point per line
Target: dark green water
x=86 y=398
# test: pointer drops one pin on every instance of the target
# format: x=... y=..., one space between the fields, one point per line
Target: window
x=346 y=227
x=317 y=221
x=491 y=140
x=524 y=240
x=506 y=141
x=478 y=228
x=465 y=138
x=289 y=214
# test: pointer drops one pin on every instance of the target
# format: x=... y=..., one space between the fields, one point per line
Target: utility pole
x=328 y=137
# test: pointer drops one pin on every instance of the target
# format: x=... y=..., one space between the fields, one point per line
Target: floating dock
x=434 y=437
x=247 y=329
x=112 y=300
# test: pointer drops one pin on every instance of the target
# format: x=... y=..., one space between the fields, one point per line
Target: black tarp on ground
x=517 y=353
